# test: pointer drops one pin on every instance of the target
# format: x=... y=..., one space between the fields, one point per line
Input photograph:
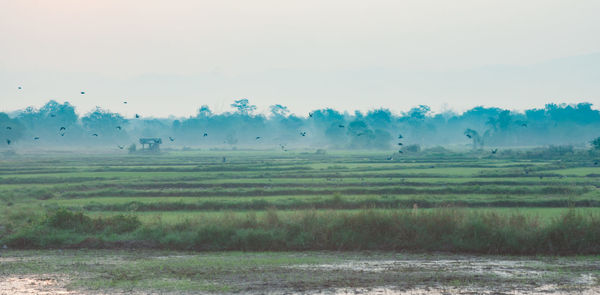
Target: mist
x=57 y=126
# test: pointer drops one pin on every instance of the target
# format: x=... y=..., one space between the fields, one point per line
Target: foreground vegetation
x=448 y=230
x=434 y=200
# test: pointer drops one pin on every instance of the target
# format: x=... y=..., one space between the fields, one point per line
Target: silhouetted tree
x=243 y=106
x=555 y=124
x=596 y=143
x=10 y=129
x=475 y=137
x=279 y=110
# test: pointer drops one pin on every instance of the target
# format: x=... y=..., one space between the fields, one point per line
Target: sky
x=170 y=57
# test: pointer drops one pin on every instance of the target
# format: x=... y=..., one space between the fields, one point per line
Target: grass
x=542 y=214
x=449 y=230
x=187 y=192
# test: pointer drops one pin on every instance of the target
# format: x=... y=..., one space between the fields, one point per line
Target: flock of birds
x=63 y=130
x=400 y=150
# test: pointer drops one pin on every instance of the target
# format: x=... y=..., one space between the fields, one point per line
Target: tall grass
x=448 y=229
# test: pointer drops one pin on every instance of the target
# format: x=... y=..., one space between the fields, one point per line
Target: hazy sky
x=170 y=57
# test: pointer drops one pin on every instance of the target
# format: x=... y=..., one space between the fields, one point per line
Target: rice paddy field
x=306 y=222
x=200 y=182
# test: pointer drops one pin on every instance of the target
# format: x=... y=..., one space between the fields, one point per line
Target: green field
x=179 y=199
x=377 y=226
x=200 y=181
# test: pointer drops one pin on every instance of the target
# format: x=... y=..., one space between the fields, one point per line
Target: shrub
x=445 y=229
x=412 y=148
x=78 y=222
x=65 y=219
x=119 y=223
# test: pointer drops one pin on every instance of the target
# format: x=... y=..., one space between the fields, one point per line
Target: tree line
x=57 y=124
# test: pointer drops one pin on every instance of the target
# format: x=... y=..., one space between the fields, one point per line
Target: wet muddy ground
x=160 y=272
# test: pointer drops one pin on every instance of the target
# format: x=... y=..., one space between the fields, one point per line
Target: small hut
x=153 y=144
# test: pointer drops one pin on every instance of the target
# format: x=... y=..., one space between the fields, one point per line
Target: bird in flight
x=258 y=137
x=52 y=115
x=8 y=141
x=303 y=133
x=137 y=116
x=8 y=128
x=310 y=114
x=399 y=143
x=82 y=92
x=400 y=136
x=19 y=87
x=205 y=134
x=341 y=126
x=36 y=138
x=171 y=138
x=124 y=102
x=95 y=134
x=468 y=135
x=400 y=152
x=524 y=125
x=62 y=128
x=119 y=127
x=494 y=151
x=390 y=158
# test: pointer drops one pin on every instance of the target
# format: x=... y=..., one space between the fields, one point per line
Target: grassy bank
x=450 y=230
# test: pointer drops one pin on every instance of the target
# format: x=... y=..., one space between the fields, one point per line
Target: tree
x=204 y=111
x=493 y=123
x=103 y=121
x=243 y=106
x=419 y=113
x=504 y=120
x=10 y=129
x=475 y=137
x=279 y=110
x=360 y=135
x=596 y=143
x=380 y=118
x=47 y=120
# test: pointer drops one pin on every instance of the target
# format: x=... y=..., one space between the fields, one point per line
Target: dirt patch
x=328 y=273
x=542 y=290
x=29 y=284
x=462 y=275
